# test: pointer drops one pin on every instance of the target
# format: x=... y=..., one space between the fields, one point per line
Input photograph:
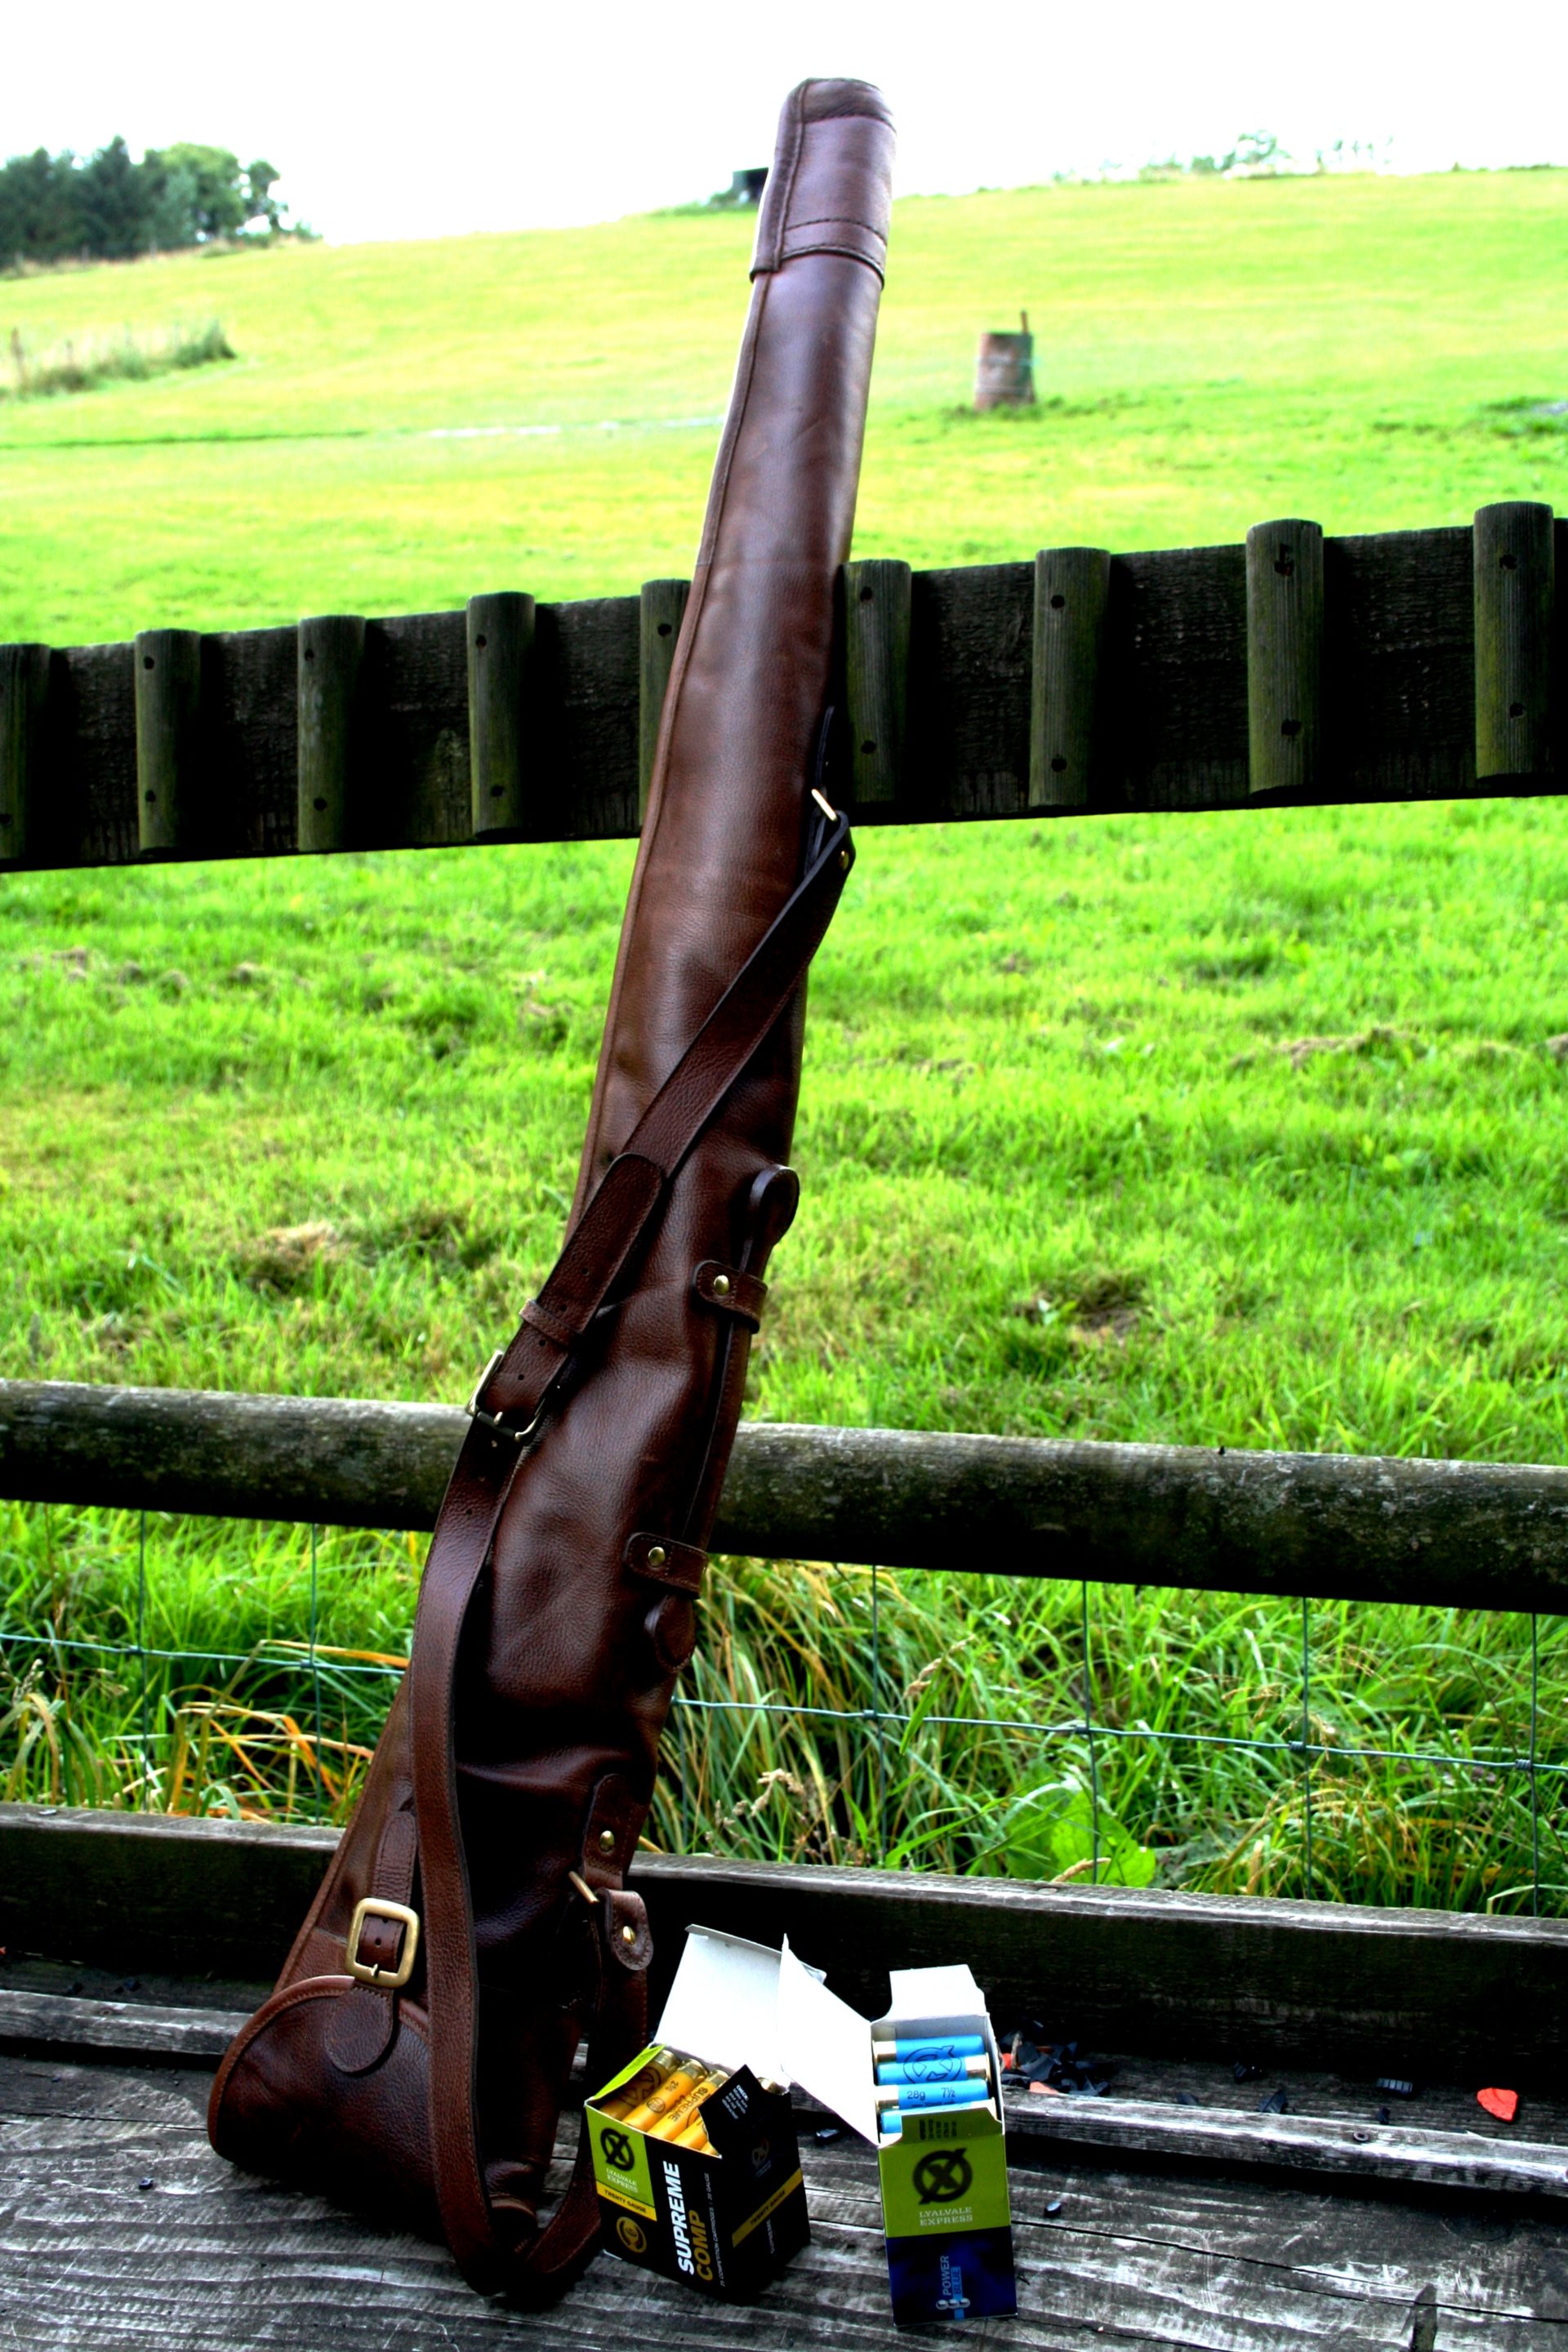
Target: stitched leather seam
x=841 y=220
x=797 y=148
x=844 y=252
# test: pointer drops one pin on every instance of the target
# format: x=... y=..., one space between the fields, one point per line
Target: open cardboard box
x=727 y=2221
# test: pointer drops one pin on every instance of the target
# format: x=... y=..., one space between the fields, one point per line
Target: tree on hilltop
x=108 y=208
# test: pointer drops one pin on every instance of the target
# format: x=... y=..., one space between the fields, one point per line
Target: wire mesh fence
x=928 y=1719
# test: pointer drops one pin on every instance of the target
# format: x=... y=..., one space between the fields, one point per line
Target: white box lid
x=742 y=2004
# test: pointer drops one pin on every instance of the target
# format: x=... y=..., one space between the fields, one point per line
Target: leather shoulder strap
x=511 y=1400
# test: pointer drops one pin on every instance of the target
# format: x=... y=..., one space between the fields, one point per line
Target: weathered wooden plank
x=85 y=797
x=1395 y=2155
x=589 y=681
x=416 y=732
x=35 y=2091
x=877 y=677
x=661 y=607
x=1072 y=587
x=1412 y=1992
x=141 y=2029
x=1474 y=1534
x=501 y=647
x=1402 y=2153
x=1398 y=705
x=211 y=2258
x=250 y=710
x=1285 y=655
x=332 y=765
x=167 y=669
x=1515 y=596
x=24 y=693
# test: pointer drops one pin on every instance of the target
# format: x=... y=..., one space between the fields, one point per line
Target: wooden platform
x=120 y=2229
x=1174 y=2211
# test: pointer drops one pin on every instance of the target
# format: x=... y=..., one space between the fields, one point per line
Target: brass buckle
x=375 y=1906
x=493 y=1420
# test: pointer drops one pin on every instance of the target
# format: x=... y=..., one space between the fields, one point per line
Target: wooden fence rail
x=1323 y=1983
x=1410 y=666
x=1478 y=1534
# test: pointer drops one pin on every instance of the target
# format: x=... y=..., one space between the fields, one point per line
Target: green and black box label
x=725 y=2223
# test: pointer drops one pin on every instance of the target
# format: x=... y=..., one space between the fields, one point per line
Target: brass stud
x=844 y=859
x=607 y=1841
x=721 y=1286
x=629 y=1934
x=657 y=1555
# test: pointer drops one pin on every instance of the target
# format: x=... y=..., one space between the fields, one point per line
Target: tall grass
x=835 y=1714
x=78 y=362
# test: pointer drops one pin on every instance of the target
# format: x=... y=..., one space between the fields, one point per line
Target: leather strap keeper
x=662 y=1560
x=730 y=1290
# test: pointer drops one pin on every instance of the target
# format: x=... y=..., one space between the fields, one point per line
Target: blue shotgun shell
x=954 y=2045
x=931 y=2070
x=910 y=2097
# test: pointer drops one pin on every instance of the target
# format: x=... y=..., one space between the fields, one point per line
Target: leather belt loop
x=678 y=1566
x=731 y=1291
x=556 y=1328
x=609 y=1839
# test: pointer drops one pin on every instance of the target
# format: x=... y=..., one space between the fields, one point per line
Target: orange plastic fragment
x=1504 y=2104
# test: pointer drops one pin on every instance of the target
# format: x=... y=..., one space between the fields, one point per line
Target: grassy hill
x=1209 y=352
x=1236 y=1130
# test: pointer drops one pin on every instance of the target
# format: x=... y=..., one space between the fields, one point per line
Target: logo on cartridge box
x=943 y=2173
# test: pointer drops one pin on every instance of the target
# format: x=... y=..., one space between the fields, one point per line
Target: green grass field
x=1236 y=1129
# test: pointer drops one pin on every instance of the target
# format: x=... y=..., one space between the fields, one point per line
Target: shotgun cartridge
x=648 y=2079
x=951 y=2045
x=933 y=2069
x=674 y=2121
x=911 y=2096
x=683 y=2077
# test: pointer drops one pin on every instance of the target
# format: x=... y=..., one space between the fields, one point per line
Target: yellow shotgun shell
x=669 y=2094
x=675 y=2121
x=646 y=2081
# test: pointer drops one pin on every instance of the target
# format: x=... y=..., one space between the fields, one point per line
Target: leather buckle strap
x=391 y=1973
x=494 y=1421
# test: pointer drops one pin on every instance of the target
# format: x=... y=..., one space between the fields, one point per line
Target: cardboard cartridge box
x=727 y=2212
x=944 y=2172
x=728 y=2220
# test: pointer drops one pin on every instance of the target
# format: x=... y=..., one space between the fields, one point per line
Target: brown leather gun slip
x=474 y=1925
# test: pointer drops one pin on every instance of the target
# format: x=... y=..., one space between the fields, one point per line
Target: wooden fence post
x=1284 y=655
x=660 y=611
x=877 y=601
x=1514 y=598
x=331 y=648
x=501 y=654
x=1072 y=592
x=23 y=688
x=168 y=713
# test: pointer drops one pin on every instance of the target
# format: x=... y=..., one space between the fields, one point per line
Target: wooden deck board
x=211 y=2258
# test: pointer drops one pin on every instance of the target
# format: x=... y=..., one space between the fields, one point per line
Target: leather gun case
x=476 y=1922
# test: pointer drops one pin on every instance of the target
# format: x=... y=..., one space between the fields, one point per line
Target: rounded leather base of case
x=281 y=2106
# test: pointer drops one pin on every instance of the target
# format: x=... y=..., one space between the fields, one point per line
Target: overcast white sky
x=394 y=120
